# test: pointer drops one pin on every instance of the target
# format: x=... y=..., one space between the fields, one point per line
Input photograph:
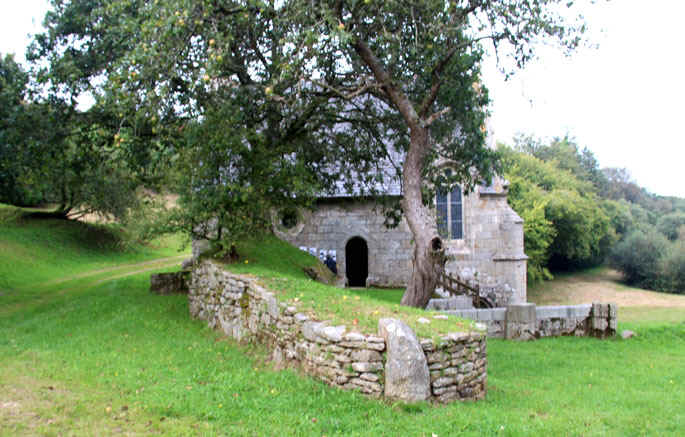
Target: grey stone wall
x=491 y=252
x=527 y=322
x=458 y=367
x=331 y=226
x=244 y=310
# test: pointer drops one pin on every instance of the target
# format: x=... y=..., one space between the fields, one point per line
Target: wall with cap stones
x=591 y=320
x=244 y=310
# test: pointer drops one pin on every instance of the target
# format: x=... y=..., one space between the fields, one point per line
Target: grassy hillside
x=40 y=250
x=106 y=358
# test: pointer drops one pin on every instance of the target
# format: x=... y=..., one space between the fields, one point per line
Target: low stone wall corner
x=376 y=365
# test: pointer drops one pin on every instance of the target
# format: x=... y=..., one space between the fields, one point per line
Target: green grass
x=114 y=359
x=38 y=250
x=280 y=268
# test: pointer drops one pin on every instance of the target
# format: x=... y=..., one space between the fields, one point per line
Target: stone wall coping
x=510 y=257
x=527 y=321
x=563 y=311
x=480 y=314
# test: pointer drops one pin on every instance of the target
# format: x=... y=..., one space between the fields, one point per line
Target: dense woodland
x=578 y=215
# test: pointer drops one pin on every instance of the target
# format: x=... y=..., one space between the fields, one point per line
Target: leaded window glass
x=449 y=214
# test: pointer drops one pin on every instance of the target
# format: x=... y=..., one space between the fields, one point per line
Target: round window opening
x=288 y=218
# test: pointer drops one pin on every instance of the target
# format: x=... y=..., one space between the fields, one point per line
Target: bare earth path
x=149 y=265
x=62 y=285
x=602 y=286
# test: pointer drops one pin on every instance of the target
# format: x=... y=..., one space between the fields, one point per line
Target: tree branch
x=397 y=97
x=427 y=122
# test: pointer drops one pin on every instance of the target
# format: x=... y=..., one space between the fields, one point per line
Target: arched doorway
x=356 y=262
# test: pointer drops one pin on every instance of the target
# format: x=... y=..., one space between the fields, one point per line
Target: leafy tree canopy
x=311 y=92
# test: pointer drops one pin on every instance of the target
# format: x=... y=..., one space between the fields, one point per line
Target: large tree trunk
x=428 y=249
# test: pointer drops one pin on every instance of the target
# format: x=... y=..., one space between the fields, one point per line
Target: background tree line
x=578 y=215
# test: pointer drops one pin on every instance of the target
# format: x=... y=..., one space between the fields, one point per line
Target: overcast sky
x=623 y=100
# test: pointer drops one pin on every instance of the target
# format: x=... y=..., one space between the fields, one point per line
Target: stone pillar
x=406 y=368
x=520 y=322
x=603 y=320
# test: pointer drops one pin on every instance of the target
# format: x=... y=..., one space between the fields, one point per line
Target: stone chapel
x=482 y=233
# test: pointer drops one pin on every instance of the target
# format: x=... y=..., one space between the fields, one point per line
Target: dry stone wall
x=244 y=310
x=528 y=322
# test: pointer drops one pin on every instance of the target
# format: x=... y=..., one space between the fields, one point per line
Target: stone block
x=169 y=283
x=309 y=330
x=366 y=355
x=365 y=367
x=406 y=370
x=332 y=333
x=365 y=386
x=354 y=336
x=455 y=337
x=444 y=381
x=343 y=359
x=353 y=344
x=369 y=377
x=438 y=366
x=301 y=318
x=427 y=345
x=521 y=313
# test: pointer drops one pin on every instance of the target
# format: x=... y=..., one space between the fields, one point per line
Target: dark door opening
x=357 y=262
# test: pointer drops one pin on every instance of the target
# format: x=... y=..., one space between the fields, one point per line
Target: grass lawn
x=110 y=358
x=280 y=268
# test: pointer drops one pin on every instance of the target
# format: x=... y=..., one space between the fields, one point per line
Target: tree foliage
x=316 y=94
x=576 y=214
x=672 y=225
x=673 y=268
x=564 y=223
x=639 y=256
x=15 y=184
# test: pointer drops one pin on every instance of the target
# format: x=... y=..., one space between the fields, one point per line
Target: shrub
x=673 y=268
x=670 y=224
x=639 y=256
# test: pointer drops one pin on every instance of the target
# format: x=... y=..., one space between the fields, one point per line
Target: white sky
x=623 y=100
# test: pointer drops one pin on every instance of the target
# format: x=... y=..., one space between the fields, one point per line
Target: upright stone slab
x=169 y=283
x=521 y=321
x=406 y=369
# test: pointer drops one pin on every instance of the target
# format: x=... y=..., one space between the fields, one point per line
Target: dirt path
x=153 y=264
x=53 y=288
x=603 y=286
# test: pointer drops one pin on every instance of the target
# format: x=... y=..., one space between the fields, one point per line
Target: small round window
x=288 y=218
